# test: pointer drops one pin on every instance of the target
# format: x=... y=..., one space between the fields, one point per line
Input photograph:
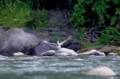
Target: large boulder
x=71 y=45
x=45 y=46
x=101 y=71
x=2 y=36
x=19 y=41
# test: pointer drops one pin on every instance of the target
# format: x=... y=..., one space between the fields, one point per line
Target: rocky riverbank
x=25 y=42
x=30 y=42
x=40 y=43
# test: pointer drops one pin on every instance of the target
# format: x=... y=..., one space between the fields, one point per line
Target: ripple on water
x=54 y=67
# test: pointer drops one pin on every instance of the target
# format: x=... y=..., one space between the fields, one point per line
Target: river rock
x=45 y=46
x=66 y=52
x=100 y=71
x=111 y=54
x=92 y=52
x=19 y=41
x=71 y=45
x=2 y=36
x=106 y=49
x=48 y=53
x=74 y=46
x=18 y=54
x=117 y=50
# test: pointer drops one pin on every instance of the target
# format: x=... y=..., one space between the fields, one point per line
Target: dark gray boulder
x=45 y=46
x=75 y=46
x=2 y=36
x=19 y=41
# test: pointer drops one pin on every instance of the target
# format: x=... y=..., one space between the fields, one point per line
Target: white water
x=55 y=67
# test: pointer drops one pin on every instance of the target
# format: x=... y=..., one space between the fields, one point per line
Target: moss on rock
x=106 y=49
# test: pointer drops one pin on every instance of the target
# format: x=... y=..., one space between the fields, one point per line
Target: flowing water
x=55 y=67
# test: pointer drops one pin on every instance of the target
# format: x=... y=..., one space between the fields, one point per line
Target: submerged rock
x=101 y=71
x=19 y=41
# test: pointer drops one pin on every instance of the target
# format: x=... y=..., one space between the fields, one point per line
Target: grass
x=57 y=37
x=19 y=14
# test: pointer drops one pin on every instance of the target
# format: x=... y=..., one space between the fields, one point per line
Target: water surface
x=55 y=67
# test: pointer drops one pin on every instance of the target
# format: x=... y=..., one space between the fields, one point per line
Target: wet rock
x=106 y=49
x=45 y=46
x=19 y=54
x=117 y=50
x=101 y=71
x=66 y=52
x=19 y=41
x=92 y=52
x=74 y=46
x=111 y=54
x=48 y=53
x=2 y=36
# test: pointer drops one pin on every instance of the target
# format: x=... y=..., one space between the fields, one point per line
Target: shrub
x=103 y=15
x=18 y=13
x=14 y=14
x=39 y=20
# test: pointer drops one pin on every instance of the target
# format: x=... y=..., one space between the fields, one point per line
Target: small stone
x=111 y=54
x=48 y=53
x=17 y=54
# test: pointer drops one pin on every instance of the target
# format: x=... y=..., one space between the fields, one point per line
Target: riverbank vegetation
x=18 y=13
x=102 y=15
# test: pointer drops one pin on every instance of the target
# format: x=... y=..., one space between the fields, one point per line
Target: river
x=55 y=67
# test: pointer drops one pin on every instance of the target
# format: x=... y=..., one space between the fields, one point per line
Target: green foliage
x=109 y=35
x=77 y=16
x=79 y=33
x=57 y=37
x=104 y=15
x=39 y=20
x=18 y=13
x=14 y=14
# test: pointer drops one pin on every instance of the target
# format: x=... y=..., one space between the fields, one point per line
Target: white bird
x=65 y=51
